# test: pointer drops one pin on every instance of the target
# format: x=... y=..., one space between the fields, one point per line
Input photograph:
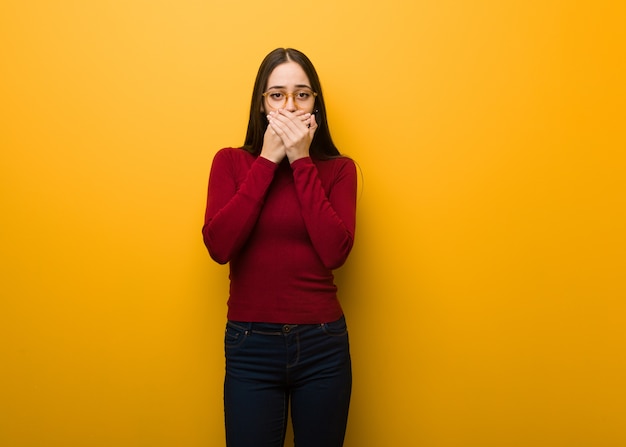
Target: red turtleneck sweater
x=283 y=228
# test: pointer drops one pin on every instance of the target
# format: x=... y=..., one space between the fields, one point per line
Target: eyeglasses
x=278 y=98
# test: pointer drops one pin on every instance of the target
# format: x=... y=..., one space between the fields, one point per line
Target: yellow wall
x=485 y=293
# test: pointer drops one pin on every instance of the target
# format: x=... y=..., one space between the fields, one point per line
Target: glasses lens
x=303 y=96
x=276 y=98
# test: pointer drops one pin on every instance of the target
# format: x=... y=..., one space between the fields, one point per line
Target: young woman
x=281 y=211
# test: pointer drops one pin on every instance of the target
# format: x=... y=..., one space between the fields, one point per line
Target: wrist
x=274 y=159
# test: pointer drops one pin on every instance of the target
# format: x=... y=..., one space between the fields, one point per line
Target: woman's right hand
x=273 y=148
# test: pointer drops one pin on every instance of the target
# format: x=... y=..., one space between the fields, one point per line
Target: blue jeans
x=270 y=366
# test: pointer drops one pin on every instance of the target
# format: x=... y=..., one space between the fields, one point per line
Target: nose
x=290 y=104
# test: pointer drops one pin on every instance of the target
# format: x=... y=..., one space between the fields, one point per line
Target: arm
x=329 y=218
x=233 y=203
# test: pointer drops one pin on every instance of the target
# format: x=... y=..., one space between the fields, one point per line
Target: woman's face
x=288 y=87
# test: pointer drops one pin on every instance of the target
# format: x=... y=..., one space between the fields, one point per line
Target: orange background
x=485 y=294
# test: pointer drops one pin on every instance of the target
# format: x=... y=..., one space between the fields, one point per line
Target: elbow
x=215 y=251
x=339 y=257
x=335 y=264
x=219 y=259
x=217 y=255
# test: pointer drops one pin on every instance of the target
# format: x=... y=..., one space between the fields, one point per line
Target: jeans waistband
x=268 y=328
x=274 y=328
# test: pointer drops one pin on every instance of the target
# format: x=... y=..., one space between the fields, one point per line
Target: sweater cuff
x=266 y=163
x=302 y=162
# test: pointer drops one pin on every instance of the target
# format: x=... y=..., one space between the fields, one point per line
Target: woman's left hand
x=296 y=130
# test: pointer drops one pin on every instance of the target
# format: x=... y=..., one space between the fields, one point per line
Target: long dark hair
x=322 y=146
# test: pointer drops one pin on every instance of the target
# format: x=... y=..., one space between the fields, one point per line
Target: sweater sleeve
x=233 y=204
x=329 y=216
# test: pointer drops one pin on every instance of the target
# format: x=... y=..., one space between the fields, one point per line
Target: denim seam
x=297 y=356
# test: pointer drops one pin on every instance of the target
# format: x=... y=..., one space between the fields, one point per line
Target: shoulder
x=336 y=165
x=234 y=153
x=233 y=157
x=340 y=160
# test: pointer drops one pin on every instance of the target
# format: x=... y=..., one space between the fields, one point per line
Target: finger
x=296 y=121
x=301 y=114
x=288 y=125
x=278 y=128
x=306 y=119
x=296 y=116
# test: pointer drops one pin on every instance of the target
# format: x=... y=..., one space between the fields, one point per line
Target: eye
x=303 y=95
x=277 y=96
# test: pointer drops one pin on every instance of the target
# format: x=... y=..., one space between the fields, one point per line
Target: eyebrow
x=283 y=87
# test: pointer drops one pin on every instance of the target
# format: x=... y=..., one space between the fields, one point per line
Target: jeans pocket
x=335 y=328
x=234 y=336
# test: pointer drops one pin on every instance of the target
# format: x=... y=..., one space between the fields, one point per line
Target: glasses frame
x=287 y=95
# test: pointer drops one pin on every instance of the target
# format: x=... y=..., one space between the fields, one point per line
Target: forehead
x=288 y=74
